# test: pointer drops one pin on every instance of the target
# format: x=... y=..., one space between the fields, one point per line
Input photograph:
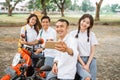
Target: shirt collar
x=47 y=30
x=28 y=26
x=83 y=32
x=65 y=38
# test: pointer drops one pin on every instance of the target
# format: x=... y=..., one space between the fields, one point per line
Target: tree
x=74 y=5
x=60 y=5
x=85 y=5
x=43 y=3
x=106 y=8
x=98 y=5
x=34 y=4
x=39 y=5
x=114 y=6
x=10 y=6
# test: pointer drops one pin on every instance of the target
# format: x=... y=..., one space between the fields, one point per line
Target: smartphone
x=50 y=44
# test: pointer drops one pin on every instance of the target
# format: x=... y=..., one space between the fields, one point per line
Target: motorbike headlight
x=16 y=59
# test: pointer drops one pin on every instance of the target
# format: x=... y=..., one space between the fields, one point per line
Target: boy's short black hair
x=45 y=17
x=64 y=20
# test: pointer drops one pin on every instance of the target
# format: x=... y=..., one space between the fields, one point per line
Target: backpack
x=19 y=41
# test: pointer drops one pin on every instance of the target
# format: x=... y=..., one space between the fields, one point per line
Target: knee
x=87 y=78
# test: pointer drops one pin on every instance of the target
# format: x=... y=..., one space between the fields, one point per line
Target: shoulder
x=71 y=38
x=92 y=33
x=73 y=33
x=23 y=27
x=40 y=30
x=51 y=29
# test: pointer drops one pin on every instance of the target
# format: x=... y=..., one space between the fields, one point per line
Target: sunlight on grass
x=72 y=18
x=14 y=18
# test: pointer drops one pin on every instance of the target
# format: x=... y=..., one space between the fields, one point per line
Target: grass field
x=20 y=19
x=107 y=52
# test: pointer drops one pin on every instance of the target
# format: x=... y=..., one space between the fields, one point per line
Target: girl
x=31 y=29
x=86 y=67
x=29 y=33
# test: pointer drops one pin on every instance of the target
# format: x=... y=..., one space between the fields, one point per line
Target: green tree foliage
x=74 y=6
x=62 y=5
x=34 y=5
x=114 y=6
x=10 y=6
x=86 y=6
x=106 y=8
x=39 y=5
x=47 y=5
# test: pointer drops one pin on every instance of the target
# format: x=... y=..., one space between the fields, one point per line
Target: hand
x=22 y=41
x=22 y=35
x=38 y=51
x=49 y=40
x=55 y=69
x=86 y=67
x=61 y=46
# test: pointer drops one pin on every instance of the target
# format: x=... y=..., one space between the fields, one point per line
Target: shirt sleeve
x=57 y=57
x=93 y=39
x=22 y=31
x=73 y=41
x=73 y=33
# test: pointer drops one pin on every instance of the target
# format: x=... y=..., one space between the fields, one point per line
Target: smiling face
x=45 y=23
x=32 y=21
x=61 y=29
x=85 y=23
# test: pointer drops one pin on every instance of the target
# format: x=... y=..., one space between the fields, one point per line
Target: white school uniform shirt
x=83 y=45
x=50 y=33
x=31 y=33
x=67 y=63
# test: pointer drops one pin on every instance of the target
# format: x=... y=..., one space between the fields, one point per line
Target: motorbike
x=21 y=65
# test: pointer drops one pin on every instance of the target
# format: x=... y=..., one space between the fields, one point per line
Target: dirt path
x=107 y=53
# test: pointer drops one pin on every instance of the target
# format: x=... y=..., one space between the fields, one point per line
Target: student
x=86 y=67
x=64 y=67
x=29 y=33
x=48 y=34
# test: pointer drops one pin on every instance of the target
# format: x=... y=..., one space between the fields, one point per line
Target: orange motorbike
x=21 y=63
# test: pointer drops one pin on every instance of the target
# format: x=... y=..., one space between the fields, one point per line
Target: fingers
x=38 y=51
x=54 y=69
x=61 y=46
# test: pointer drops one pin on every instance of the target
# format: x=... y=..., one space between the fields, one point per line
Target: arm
x=61 y=46
x=69 y=51
x=54 y=68
x=30 y=43
x=91 y=55
x=87 y=66
x=80 y=60
x=93 y=42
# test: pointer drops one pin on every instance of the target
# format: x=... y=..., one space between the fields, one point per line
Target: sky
x=105 y=2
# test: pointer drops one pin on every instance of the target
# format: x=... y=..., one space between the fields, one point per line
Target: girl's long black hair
x=88 y=29
x=37 y=26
